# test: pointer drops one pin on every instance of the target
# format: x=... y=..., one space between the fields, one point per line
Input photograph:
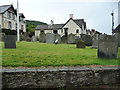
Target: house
x=8 y=18
x=117 y=29
x=74 y=26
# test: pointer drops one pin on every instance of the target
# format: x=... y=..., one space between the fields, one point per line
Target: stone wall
x=60 y=77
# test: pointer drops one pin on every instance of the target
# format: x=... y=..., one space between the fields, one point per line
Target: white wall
x=72 y=27
x=1 y=20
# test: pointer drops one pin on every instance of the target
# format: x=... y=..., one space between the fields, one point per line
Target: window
x=9 y=15
x=42 y=31
x=9 y=25
x=55 y=31
x=66 y=31
x=77 y=31
x=21 y=27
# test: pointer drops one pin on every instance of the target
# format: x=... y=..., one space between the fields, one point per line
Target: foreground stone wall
x=62 y=77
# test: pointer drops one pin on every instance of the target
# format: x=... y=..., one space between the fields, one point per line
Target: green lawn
x=30 y=54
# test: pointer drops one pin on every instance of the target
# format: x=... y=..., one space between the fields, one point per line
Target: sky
x=96 y=13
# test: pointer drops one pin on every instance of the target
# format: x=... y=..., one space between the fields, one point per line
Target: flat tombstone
x=10 y=41
x=50 y=38
x=57 y=36
x=80 y=44
x=64 y=40
x=42 y=37
x=107 y=46
x=71 y=38
x=87 y=39
x=34 y=39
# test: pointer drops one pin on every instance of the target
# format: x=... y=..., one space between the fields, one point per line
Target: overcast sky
x=97 y=15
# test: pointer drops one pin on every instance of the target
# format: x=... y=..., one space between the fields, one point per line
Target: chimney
x=52 y=22
x=71 y=16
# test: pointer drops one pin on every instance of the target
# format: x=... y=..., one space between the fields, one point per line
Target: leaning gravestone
x=42 y=37
x=107 y=46
x=80 y=44
x=34 y=39
x=10 y=41
x=26 y=37
x=95 y=41
x=64 y=39
x=87 y=39
x=57 y=36
x=71 y=39
x=50 y=38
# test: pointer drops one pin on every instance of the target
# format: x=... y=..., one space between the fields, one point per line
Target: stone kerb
x=10 y=41
x=42 y=37
x=71 y=39
x=50 y=38
x=57 y=36
x=107 y=46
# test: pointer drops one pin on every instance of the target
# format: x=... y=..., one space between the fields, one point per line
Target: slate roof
x=48 y=27
x=117 y=29
x=79 y=22
x=4 y=8
x=21 y=15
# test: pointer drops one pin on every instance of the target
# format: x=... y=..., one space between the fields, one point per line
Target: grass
x=30 y=54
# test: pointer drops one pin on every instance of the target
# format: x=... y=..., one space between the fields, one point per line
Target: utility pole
x=112 y=20
x=18 y=35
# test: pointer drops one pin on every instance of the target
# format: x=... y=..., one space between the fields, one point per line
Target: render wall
x=60 y=77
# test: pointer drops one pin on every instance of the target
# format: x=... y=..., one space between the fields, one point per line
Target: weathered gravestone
x=26 y=37
x=42 y=37
x=34 y=39
x=57 y=36
x=71 y=39
x=107 y=46
x=2 y=36
x=64 y=40
x=50 y=38
x=87 y=39
x=95 y=41
x=117 y=35
x=10 y=41
x=80 y=44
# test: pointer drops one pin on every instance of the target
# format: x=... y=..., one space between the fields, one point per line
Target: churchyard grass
x=31 y=54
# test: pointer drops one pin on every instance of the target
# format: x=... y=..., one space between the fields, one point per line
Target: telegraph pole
x=112 y=20
x=18 y=35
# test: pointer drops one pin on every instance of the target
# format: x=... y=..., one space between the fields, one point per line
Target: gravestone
x=10 y=41
x=50 y=38
x=34 y=39
x=42 y=37
x=64 y=39
x=2 y=36
x=87 y=39
x=95 y=41
x=80 y=44
x=117 y=35
x=107 y=46
x=57 y=36
x=26 y=37
x=71 y=39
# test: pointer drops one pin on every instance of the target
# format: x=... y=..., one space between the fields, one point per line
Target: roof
x=21 y=15
x=49 y=27
x=117 y=29
x=5 y=8
x=41 y=27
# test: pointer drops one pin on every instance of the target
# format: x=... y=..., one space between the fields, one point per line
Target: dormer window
x=13 y=16
x=77 y=31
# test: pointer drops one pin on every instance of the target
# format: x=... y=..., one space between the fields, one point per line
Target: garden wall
x=62 y=77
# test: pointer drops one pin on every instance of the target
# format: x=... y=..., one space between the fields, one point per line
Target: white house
x=74 y=26
x=8 y=18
